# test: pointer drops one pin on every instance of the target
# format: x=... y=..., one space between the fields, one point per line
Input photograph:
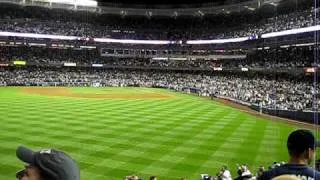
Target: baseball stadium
x=163 y=90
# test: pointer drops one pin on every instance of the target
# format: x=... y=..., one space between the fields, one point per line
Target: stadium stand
x=281 y=58
x=277 y=93
x=53 y=22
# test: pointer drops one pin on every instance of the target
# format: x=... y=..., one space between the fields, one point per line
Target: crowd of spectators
x=293 y=57
x=297 y=57
x=243 y=173
x=131 y=28
x=48 y=55
x=272 y=93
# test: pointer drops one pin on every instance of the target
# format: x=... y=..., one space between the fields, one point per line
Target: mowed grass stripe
x=187 y=147
x=165 y=125
x=161 y=163
x=110 y=138
x=269 y=145
x=56 y=122
x=182 y=166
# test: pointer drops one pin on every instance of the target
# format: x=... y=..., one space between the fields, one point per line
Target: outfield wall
x=302 y=116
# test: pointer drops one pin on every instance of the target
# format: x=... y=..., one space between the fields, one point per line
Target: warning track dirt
x=65 y=92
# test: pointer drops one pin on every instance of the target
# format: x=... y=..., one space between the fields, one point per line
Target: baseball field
x=114 y=132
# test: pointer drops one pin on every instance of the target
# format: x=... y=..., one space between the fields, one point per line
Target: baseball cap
x=301 y=140
x=53 y=163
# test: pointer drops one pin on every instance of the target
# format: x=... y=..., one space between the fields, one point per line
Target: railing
x=303 y=116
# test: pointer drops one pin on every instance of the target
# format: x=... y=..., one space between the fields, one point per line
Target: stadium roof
x=170 y=8
x=169 y=3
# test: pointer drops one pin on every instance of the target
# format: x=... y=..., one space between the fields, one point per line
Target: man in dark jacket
x=301 y=146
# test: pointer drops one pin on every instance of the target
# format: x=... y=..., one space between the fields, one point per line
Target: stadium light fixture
x=217 y=68
x=305 y=44
x=70 y=64
x=87 y=3
x=285 y=46
x=131 y=41
x=291 y=31
x=160 y=58
x=107 y=40
x=162 y=42
x=217 y=41
x=249 y=8
x=32 y=35
x=4 y=64
x=36 y=44
x=310 y=70
x=60 y=1
x=87 y=47
x=244 y=69
x=97 y=65
x=178 y=59
x=273 y=4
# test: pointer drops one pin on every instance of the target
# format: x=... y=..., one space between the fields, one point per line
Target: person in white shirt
x=226 y=175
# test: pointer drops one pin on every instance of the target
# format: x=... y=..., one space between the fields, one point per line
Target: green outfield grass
x=182 y=136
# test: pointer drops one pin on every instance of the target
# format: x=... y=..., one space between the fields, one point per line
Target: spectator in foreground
x=132 y=177
x=301 y=147
x=318 y=164
x=48 y=164
x=153 y=178
x=225 y=173
x=260 y=171
x=243 y=173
